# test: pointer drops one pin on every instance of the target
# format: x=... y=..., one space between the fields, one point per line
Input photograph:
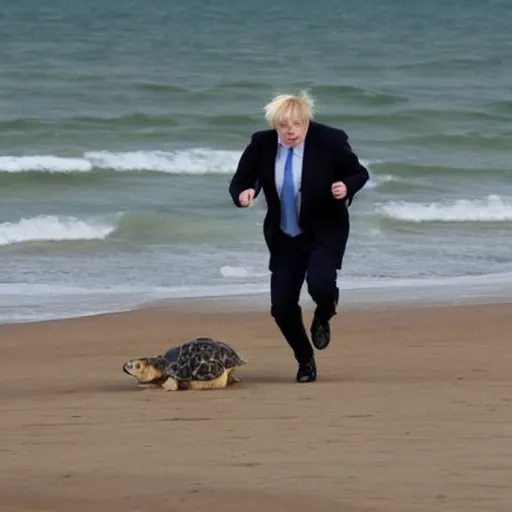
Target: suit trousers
x=293 y=260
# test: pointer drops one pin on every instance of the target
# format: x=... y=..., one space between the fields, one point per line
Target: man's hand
x=245 y=198
x=339 y=190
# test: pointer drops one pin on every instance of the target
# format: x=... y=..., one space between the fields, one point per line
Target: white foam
x=491 y=209
x=183 y=161
x=227 y=271
x=191 y=161
x=52 y=228
x=45 y=163
x=376 y=180
x=24 y=302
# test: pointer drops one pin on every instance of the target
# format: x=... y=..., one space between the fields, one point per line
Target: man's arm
x=246 y=174
x=349 y=170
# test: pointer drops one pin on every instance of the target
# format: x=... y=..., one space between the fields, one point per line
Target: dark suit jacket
x=327 y=158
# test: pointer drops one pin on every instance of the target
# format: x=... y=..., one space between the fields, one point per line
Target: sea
x=122 y=122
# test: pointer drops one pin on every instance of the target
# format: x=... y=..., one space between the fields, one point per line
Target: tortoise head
x=145 y=369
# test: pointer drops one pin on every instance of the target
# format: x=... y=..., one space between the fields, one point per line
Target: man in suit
x=309 y=175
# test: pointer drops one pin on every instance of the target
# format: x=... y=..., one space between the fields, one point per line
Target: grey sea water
x=122 y=122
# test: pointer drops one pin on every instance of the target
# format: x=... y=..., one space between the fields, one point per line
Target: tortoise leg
x=170 y=385
x=218 y=383
x=232 y=378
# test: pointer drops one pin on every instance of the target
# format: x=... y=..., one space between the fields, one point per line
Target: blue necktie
x=289 y=221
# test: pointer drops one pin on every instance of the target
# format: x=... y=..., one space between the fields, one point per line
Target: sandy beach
x=411 y=412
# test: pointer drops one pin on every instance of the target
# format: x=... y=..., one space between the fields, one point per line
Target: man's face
x=292 y=131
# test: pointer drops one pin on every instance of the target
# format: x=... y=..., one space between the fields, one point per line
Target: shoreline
x=465 y=290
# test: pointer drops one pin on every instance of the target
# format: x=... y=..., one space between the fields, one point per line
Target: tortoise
x=199 y=364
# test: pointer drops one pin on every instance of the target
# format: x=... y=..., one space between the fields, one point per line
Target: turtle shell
x=201 y=359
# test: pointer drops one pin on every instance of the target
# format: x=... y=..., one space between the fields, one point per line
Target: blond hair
x=288 y=106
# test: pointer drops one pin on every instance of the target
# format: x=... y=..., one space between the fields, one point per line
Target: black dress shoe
x=320 y=333
x=307 y=371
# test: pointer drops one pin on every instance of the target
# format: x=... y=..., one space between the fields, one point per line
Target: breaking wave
x=191 y=161
x=52 y=228
x=491 y=209
x=195 y=161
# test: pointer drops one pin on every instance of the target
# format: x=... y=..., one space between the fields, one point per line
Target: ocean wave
x=370 y=97
x=45 y=163
x=52 y=228
x=464 y=113
x=186 y=161
x=192 y=161
x=401 y=117
x=470 y=140
x=491 y=209
x=399 y=120
x=502 y=107
x=129 y=226
x=159 y=87
x=450 y=63
x=376 y=180
x=229 y=272
x=197 y=161
x=122 y=123
x=401 y=170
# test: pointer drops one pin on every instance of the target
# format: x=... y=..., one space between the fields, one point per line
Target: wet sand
x=411 y=412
